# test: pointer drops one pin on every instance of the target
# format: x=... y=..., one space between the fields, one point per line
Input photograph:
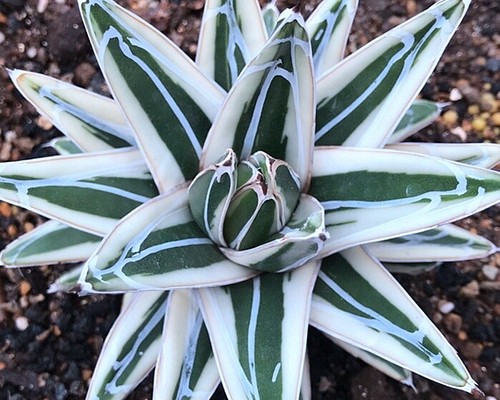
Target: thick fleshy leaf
x=64 y=146
x=445 y=243
x=159 y=246
x=356 y=300
x=362 y=99
x=186 y=367
x=390 y=369
x=267 y=193
x=168 y=101
x=411 y=268
x=209 y=196
x=66 y=281
x=250 y=326
x=271 y=106
x=131 y=347
x=232 y=33
x=93 y=122
x=90 y=192
x=300 y=241
x=420 y=114
x=270 y=15
x=484 y=155
x=371 y=195
x=329 y=27
x=50 y=243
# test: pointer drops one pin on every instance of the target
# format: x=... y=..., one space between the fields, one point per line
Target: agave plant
x=238 y=199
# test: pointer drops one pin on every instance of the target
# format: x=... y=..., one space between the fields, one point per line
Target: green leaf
x=210 y=194
x=270 y=15
x=93 y=122
x=445 y=243
x=271 y=106
x=168 y=101
x=300 y=241
x=231 y=34
x=159 y=246
x=50 y=243
x=356 y=300
x=362 y=99
x=411 y=268
x=67 y=281
x=64 y=146
x=90 y=192
x=131 y=347
x=186 y=367
x=484 y=155
x=390 y=369
x=372 y=195
x=258 y=331
x=420 y=114
x=329 y=26
x=262 y=205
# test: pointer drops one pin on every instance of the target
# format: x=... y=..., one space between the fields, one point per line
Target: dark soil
x=49 y=343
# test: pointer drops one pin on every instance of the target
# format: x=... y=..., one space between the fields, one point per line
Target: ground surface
x=49 y=343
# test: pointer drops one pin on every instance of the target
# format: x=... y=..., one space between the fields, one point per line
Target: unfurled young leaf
x=280 y=81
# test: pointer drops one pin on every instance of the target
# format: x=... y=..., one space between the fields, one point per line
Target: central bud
x=241 y=205
x=255 y=213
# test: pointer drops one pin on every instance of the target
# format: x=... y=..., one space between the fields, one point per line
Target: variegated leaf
x=362 y=99
x=90 y=192
x=186 y=367
x=50 y=243
x=329 y=26
x=280 y=81
x=131 y=347
x=210 y=194
x=168 y=101
x=445 y=243
x=93 y=122
x=64 y=146
x=232 y=33
x=420 y=114
x=300 y=241
x=356 y=300
x=250 y=324
x=390 y=369
x=159 y=246
x=411 y=268
x=484 y=155
x=371 y=195
x=270 y=15
x=67 y=281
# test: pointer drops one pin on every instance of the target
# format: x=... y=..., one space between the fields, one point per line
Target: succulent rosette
x=238 y=199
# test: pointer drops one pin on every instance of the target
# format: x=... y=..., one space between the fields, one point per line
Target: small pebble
x=22 y=323
x=24 y=288
x=453 y=323
x=445 y=307
x=479 y=124
x=490 y=272
x=473 y=109
x=495 y=119
x=470 y=290
x=450 y=118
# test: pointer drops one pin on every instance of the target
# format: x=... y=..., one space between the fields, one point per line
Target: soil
x=49 y=343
